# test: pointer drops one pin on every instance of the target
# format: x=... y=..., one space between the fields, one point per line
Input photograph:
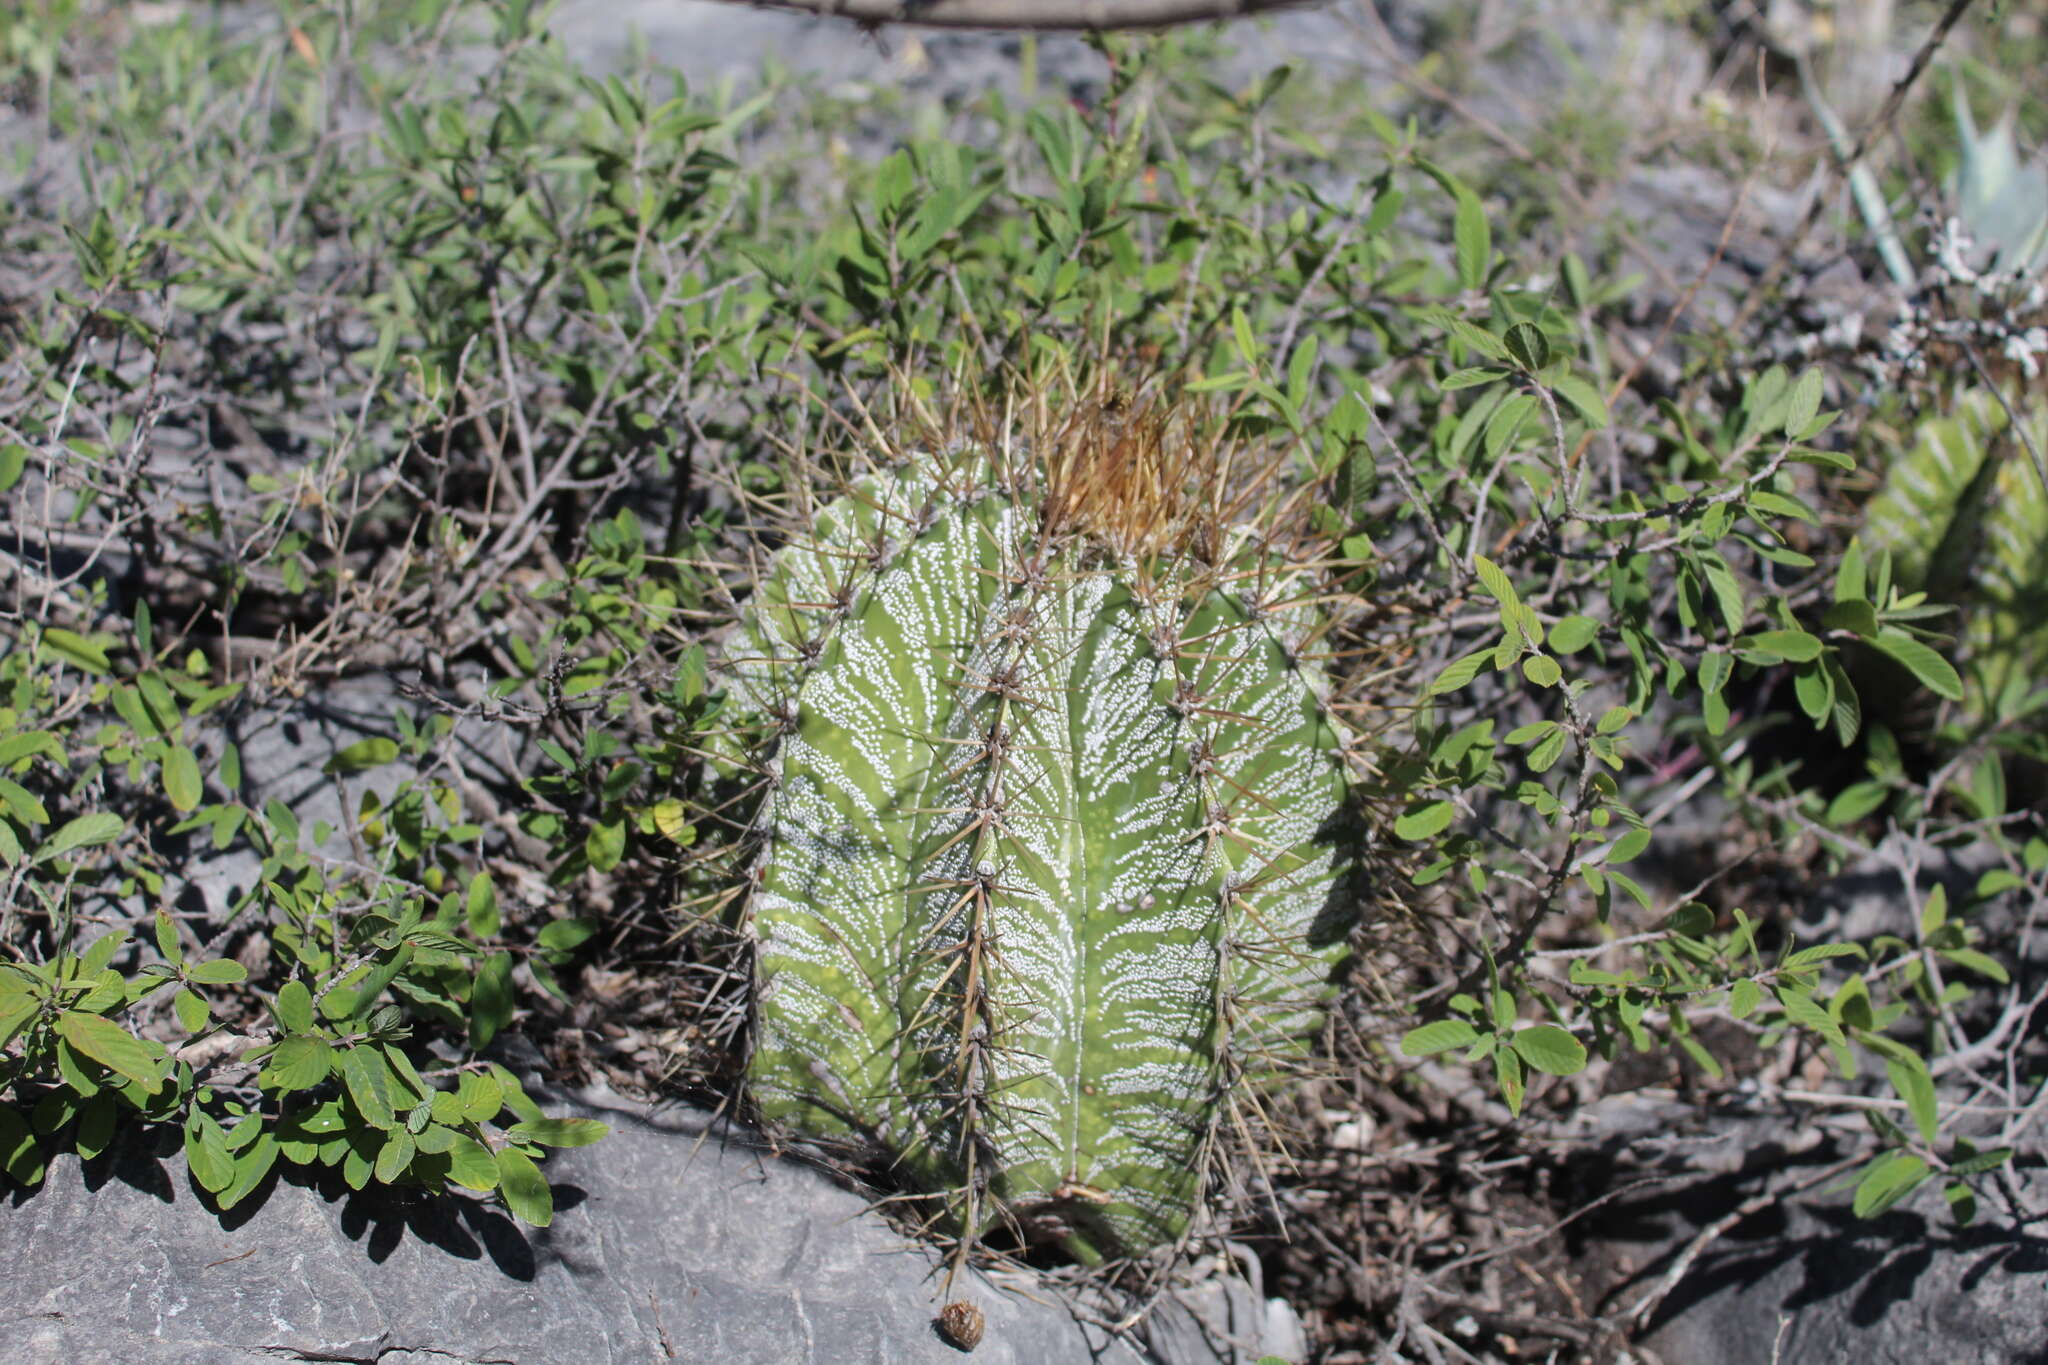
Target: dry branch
x=1091 y=16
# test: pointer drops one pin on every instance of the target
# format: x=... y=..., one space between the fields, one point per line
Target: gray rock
x=715 y=41
x=661 y=1249
x=1808 y=1281
x=1223 y=1314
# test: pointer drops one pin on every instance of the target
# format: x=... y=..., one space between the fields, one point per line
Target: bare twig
x=1091 y=16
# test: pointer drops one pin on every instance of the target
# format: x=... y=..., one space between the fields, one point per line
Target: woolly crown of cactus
x=1053 y=874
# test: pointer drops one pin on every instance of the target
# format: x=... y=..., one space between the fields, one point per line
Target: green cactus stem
x=1051 y=868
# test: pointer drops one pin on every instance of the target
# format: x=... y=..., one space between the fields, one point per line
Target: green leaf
x=1802 y=404
x=490 y=1000
x=294 y=1007
x=1743 y=998
x=1821 y=952
x=87 y=831
x=435 y=1139
x=364 y=753
x=470 y=1164
x=1934 y=910
x=369 y=1085
x=1701 y=1058
x=1886 y=1181
x=605 y=845
x=95 y=1125
x=1979 y=1162
x=1507 y=1070
x=1494 y=580
x=223 y=971
x=300 y=1062
x=1930 y=668
x=524 y=1189
x=16 y=747
x=1247 y=345
x=167 y=939
x=164 y=717
x=565 y=935
x=251 y=1166
x=1584 y=397
x=1796 y=646
x=191 y=1010
x=1628 y=847
x=1542 y=670
x=27 y=807
x=1763 y=500
x=76 y=649
x=1424 y=820
x=113 y=1047
x=20 y=1157
x=481 y=906
x=1714 y=671
x=1471 y=377
x=1856 y=801
x=1440 y=1036
x=1801 y=1010
x=1978 y=962
x=481 y=1096
x=1550 y=1049
x=1460 y=672
x=1855 y=615
x=559 y=1132
x=1910 y=1079
x=1528 y=345
x=1474 y=241
x=181 y=778
x=100 y=952
x=206 y=1153
x=409 y=1089
x=1573 y=634
x=395 y=1156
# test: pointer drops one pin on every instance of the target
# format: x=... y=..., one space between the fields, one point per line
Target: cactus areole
x=1051 y=871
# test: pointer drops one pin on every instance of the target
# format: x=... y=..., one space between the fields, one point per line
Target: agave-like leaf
x=1051 y=861
x=2001 y=200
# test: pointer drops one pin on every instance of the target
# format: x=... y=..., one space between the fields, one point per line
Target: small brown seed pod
x=960 y=1322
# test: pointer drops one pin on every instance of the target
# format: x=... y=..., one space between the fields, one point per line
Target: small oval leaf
x=1551 y=1050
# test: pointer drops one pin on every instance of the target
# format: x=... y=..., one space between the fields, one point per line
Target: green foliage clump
x=312 y=1060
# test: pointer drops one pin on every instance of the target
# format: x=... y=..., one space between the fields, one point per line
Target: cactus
x=1051 y=870
x=1964 y=517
